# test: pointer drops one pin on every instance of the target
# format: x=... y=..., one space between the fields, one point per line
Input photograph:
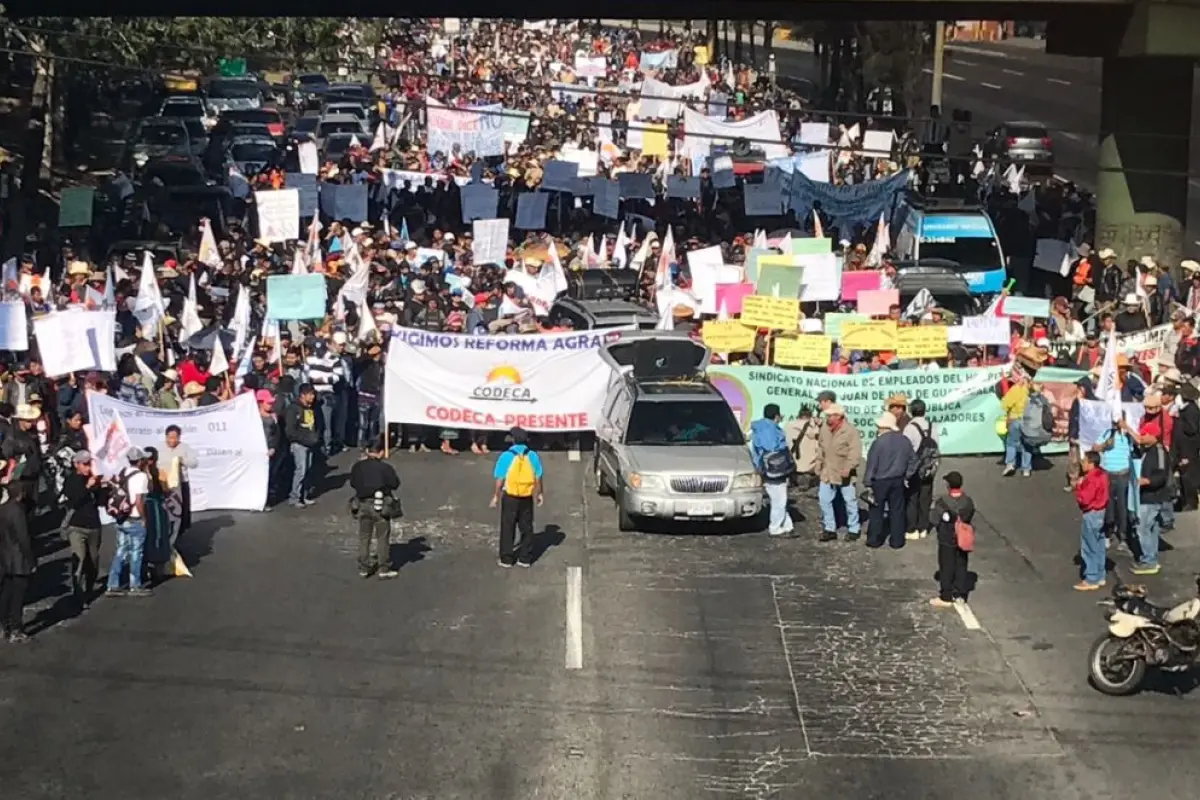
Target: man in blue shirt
x=767 y=438
x=518 y=475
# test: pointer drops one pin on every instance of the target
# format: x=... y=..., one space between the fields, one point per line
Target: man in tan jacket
x=838 y=459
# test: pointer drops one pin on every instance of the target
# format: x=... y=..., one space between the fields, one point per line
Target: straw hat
x=78 y=268
x=835 y=410
x=193 y=389
x=27 y=413
x=1107 y=253
x=896 y=400
x=1153 y=401
x=886 y=421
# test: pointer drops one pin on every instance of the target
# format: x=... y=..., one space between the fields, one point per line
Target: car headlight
x=639 y=481
x=747 y=480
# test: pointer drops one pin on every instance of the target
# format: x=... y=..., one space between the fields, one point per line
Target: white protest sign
x=227 y=439
x=708 y=268
x=278 y=215
x=109 y=445
x=877 y=144
x=591 y=67
x=983 y=329
x=540 y=382
x=307 y=153
x=14 y=326
x=77 y=341
x=491 y=240
x=822 y=281
x=1095 y=420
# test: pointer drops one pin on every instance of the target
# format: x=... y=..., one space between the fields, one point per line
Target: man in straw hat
x=891 y=463
x=839 y=455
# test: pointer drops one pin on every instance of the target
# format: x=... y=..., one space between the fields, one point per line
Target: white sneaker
x=923 y=534
x=1068 y=488
x=1009 y=470
x=1025 y=473
x=912 y=535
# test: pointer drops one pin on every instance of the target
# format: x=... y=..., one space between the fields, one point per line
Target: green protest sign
x=75 y=207
x=963 y=404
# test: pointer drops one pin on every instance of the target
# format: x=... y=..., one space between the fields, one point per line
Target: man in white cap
x=891 y=463
x=1131 y=318
x=127 y=506
x=1108 y=282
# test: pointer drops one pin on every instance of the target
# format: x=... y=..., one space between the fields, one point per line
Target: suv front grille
x=700 y=484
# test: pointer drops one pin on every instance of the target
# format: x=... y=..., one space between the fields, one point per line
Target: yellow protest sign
x=728 y=336
x=922 y=341
x=701 y=59
x=806 y=350
x=869 y=335
x=775 y=313
x=654 y=139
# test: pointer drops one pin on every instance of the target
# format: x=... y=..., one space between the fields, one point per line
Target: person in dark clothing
x=17 y=561
x=304 y=438
x=891 y=462
x=85 y=495
x=1187 y=354
x=22 y=454
x=212 y=391
x=273 y=435
x=375 y=482
x=1132 y=318
x=1185 y=446
x=952 y=560
x=370 y=392
x=1154 y=491
x=518 y=475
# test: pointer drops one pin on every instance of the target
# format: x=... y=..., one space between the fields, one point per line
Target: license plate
x=700 y=509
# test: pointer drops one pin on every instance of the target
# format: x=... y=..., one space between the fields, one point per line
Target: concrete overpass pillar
x=1145 y=122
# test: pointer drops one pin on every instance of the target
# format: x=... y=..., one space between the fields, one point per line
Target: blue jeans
x=1014 y=446
x=326 y=407
x=1148 y=532
x=1166 y=514
x=1091 y=546
x=825 y=494
x=302 y=461
x=781 y=521
x=131 y=545
x=368 y=421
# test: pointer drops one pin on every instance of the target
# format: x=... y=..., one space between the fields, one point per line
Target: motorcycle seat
x=1140 y=607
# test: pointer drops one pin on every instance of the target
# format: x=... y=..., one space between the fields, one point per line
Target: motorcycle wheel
x=1114 y=679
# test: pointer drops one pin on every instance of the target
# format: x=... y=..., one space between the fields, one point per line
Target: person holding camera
x=375 y=504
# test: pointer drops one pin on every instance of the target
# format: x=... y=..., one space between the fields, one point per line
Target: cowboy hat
x=1107 y=253
x=193 y=389
x=886 y=421
x=1188 y=265
x=1131 y=300
x=1152 y=401
x=170 y=374
x=27 y=413
x=835 y=411
x=78 y=268
x=896 y=400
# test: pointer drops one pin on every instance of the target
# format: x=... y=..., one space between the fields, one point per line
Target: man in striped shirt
x=325 y=372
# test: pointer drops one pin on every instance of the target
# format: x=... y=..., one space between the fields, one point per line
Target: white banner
x=77 y=341
x=14 y=326
x=491 y=241
x=278 y=215
x=227 y=438
x=664 y=101
x=591 y=66
x=540 y=382
x=702 y=132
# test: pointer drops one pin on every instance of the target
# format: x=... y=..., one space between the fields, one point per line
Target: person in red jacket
x=1091 y=493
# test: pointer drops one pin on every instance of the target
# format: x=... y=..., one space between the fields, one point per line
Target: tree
x=894 y=54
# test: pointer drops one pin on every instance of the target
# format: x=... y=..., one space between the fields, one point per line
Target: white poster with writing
x=543 y=382
x=278 y=215
x=491 y=240
x=227 y=438
x=77 y=341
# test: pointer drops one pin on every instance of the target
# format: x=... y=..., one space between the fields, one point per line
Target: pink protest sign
x=729 y=296
x=876 y=302
x=859 y=281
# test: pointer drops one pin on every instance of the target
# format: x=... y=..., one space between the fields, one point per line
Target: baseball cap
x=264 y=396
x=135 y=454
x=81 y=457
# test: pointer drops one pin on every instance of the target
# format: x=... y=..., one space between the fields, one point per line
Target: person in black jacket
x=304 y=437
x=81 y=527
x=1187 y=354
x=375 y=482
x=952 y=560
x=1154 y=490
x=16 y=561
x=22 y=455
x=1185 y=447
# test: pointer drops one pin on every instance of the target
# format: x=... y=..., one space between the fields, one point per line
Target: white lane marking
x=965 y=63
x=1074 y=137
x=969 y=620
x=945 y=75
x=787 y=657
x=987 y=85
x=976 y=51
x=1059 y=81
x=574 y=618
x=1012 y=72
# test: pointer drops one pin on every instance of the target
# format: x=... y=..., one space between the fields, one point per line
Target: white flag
x=366 y=321
x=209 y=254
x=621 y=248
x=380 y=140
x=1108 y=390
x=148 y=306
x=919 y=304
x=880 y=246
x=220 y=361
x=240 y=324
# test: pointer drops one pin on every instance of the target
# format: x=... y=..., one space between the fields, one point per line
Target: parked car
x=340 y=124
x=188 y=106
x=250 y=154
x=155 y=137
x=226 y=94
x=343 y=109
x=272 y=118
x=668 y=446
x=308 y=88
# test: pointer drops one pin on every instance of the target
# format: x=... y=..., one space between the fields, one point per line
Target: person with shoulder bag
x=804 y=433
x=952 y=517
x=773 y=459
x=919 y=492
x=375 y=504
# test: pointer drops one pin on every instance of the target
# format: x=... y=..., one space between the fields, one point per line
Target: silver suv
x=667 y=445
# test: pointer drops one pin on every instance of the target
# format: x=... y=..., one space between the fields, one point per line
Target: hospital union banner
x=540 y=382
x=963 y=404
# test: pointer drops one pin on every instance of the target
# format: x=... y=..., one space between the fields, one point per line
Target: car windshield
x=681 y=423
x=253 y=151
x=342 y=91
x=353 y=111
x=337 y=145
x=183 y=108
x=168 y=135
x=329 y=128
x=1026 y=132
x=313 y=80
x=195 y=127
x=234 y=89
x=305 y=125
x=972 y=254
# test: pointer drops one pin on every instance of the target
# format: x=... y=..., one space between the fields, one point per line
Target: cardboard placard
x=773 y=313
x=922 y=341
x=877 y=302
x=869 y=335
x=806 y=350
x=728 y=336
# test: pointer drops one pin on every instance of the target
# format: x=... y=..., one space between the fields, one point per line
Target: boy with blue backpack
x=518 y=475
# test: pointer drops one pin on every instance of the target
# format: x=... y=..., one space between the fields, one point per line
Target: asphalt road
x=1009 y=82
x=709 y=666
